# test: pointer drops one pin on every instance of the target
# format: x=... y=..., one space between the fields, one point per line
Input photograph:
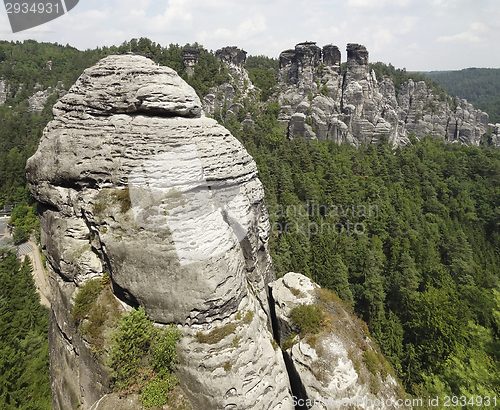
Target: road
x=40 y=275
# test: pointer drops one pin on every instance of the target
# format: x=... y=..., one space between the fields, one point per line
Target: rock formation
x=231 y=56
x=37 y=101
x=332 y=365
x=190 y=57
x=4 y=91
x=226 y=97
x=135 y=182
x=320 y=102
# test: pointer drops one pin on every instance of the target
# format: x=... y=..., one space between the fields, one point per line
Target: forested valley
x=479 y=86
x=409 y=237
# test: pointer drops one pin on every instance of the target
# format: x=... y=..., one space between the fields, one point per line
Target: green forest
x=24 y=356
x=479 y=86
x=410 y=237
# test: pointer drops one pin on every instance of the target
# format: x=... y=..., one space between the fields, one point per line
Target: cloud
x=248 y=28
x=432 y=34
x=407 y=24
x=473 y=35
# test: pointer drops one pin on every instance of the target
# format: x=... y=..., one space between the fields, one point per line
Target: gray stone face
x=136 y=182
x=129 y=84
x=190 y=58
x=331 y=56
x=229 y=95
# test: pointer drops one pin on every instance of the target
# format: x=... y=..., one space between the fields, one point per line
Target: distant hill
x=479 y=86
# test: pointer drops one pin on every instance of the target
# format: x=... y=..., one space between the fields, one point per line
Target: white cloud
x=248 y=28
x=470 y=36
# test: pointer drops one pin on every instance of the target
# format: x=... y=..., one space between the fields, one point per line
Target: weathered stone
x=286 y=58
x=232 y=56
x=135 y=182
x=356 y=54
x=238 y=88
x=330 y=363
x=362 y=108
x=331 y=55
x=129 y=84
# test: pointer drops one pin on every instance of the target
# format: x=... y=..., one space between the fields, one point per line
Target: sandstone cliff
x=130 y=126
x=319 y=100
x=136 y=183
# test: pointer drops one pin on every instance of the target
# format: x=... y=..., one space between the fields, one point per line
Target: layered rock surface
x=319 y=100
x=135 y=182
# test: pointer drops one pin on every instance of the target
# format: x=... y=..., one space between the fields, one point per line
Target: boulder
x=338 y=362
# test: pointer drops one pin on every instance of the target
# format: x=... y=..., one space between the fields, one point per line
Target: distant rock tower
x=190 y=56
x=232 y=56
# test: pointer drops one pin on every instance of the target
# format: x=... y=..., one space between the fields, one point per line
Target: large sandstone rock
x=135 y=182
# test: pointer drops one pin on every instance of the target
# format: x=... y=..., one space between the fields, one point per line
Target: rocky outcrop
x=231 y=56
x=134 y=181
x=225 y=99
x=190 y=58
x=338 y=364
x=320 y=102
x=37 y=101
x=4 y=91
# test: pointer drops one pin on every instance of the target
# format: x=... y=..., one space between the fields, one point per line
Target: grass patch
x=156 y=391
x=236 y=342
x=312 y=340
x=98 y=207
x=142 y=358
x=275 y=344
x=374 y=384
x=103 y=315
x=295 y=292
x=248 y=317
x=371 y=361
x=92 y=328
x=355 y=363
x=227 y=366
x=386 y=369
x=85 y=298
x=308 y=318
x=288 y=343
x=216 y=335
x=122 y=196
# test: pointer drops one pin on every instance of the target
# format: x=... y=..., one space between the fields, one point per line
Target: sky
x=419 y=35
